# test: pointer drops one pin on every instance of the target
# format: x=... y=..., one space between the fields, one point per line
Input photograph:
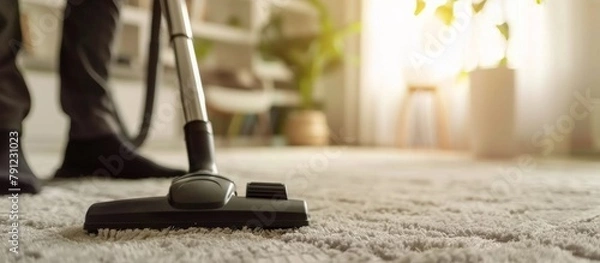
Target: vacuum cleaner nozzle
x=265 y=206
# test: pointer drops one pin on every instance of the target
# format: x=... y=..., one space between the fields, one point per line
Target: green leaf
x=446 y=12
x=503 y=62
x=478 y=7
x=462 y=76
x=351 y=29
x=235 y=125
x=504 y=30
x=539 y=2
x=307 y=56
x=202 y=48
x=420 y=7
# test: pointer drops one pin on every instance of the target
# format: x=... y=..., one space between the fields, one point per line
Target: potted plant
x=308 y=56
x=493 y=91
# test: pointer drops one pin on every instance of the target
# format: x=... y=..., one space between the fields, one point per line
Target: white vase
x=493 y=113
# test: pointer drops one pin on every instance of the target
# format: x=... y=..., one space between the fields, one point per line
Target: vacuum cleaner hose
x=151 y=80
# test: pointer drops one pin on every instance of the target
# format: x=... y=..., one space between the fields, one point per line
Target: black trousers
x=85 y=53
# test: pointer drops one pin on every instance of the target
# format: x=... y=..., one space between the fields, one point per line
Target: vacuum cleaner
x=203 y=197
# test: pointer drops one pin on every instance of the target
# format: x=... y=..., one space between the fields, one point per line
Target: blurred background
x=492 y=78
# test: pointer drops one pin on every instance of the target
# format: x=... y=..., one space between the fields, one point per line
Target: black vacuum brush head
x=266 y=207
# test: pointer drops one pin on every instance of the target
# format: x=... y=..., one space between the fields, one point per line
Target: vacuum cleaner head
x=265 y=206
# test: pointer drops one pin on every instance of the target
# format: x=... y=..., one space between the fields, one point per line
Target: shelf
x=47 y=64
x=285 y=98
x=223 y=33
x=238 y=100
x=129 y=13
x=296 y=6
x=136 y=15
x=45 y=3
x=271 y=70
x=249 y=101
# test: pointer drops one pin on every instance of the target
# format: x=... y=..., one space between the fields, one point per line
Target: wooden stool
x=442 y=133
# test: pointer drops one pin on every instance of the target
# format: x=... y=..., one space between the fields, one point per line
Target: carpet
x=366 y=206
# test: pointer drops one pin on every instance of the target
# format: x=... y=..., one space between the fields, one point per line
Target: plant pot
x=307 y=127
x=493 y=113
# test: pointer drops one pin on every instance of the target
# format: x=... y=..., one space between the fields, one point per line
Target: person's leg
x=94 y=146
x=14 y=100
x=85 y=53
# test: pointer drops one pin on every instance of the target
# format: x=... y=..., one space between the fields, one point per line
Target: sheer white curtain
x=399 y=48
x=383 y=46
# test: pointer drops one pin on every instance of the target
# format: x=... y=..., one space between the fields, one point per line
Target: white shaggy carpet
x=366 y=206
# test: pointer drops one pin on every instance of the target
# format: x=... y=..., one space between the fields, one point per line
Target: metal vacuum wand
x=198 y=131
x=202 y=188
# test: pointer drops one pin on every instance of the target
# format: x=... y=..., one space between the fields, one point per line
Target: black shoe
x=12 y=156
x=109 y=156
